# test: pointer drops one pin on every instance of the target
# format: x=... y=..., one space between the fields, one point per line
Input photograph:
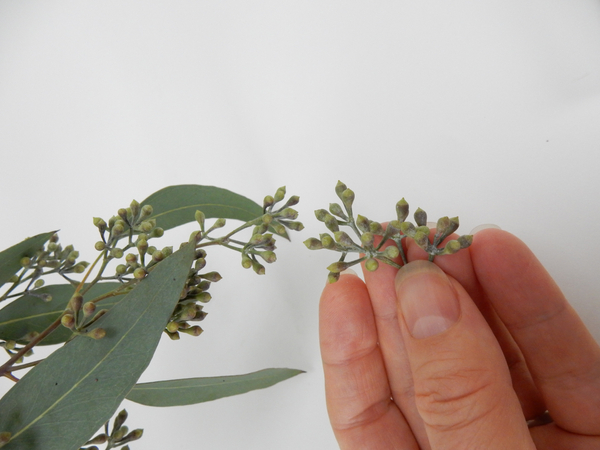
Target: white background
x=486 y=110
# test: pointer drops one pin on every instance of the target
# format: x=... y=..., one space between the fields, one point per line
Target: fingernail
x=484 y=226
x=428 y=302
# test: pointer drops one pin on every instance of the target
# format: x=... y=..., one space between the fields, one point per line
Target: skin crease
x=515 y=348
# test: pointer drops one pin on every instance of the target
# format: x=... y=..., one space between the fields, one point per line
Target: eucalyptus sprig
x=376 y=242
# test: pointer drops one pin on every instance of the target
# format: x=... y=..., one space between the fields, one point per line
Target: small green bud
x=146 y=212
x=100 y=224
x=211 y=276
x=420 y=217
x=340 y=188
x=157 y=232
x=203 y=297
x=338 y=267
x=145 y=226
x=289 y=213
x=100 y=439
x=327 y=241
x=371 y=265
x=96 y=333
x=89 y=308
x=280 y=229
x=421 y=239
x=313 y=244
x=121 y=269
x=343 y=238
x=53 y=246
x=172 y=327
x=219 y=223
x=280 y=194
x=465 y=240
x=362 y=223
x=333 y=277
x=200 y=263
x=268 y=202
x=195 y=236
x=246 y=261
x=423 y=229
x=200 y=218
x=295 y=226
x=391 y=252
x=118 y=230
x=451 y=247
x=68 y=321
x=75 y=303
x=331 y=223
x=200 y=315
x=116 y=253
x=131 y=258
x=442 y=225
x=100 y=245
x=407 y=228
x=293 y=200
x=174 y=337
x=376 y=228
x=139 y=273
x=38 y=283
x=79 y=268
x=258 y=268
x=336 y=209
x=9 y=345
x=268 y=256
x=25 y=261
x=348 y=199
x=142 y=246
x=402 y=210
x=122 y=212
x=119 y=433
x=158 y=256
x=260 y=229
x=134 y=206
x=267 y=219
x=454 y=223
x=193 y=331
x=367 y=239
x=321 y=214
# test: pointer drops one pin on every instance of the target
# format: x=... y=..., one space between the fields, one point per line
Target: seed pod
x=420 y=217
x=402 y=210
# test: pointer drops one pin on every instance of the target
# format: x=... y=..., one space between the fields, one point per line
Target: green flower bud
x=246 y=261
x=25 y=261
x=421 y=239
x=321 y=214
x=142 y=246
x=391 y=252
x=407 y=228
x=376 y=228
x=96 y=333
x=200 y=218
x=348 y=199
x=258 y=268
x=333 y=277
x=75 y=303
x=79 y=268
x=195 y=236
x=371 y=265
x=68 y=321
x=362 y=223
x=454 y=223
x=340 y=188
x=100 y=439
x=423 y=229
x=211 y=276
x=147 y=211
x=280 y=194
x=442 y=225
x=327 y=241
x=139 y=273
x=89 y=308
x=100 y=224
x=338 y=267
x=203 y=297
x=172 y=327
x=331 y=223
x=200 y=315
x=134 y=206
x=116 y=253
x=119 y=433
x=367 y=239
x=313 y=244
x=200 y=263
x=121 y=269
x=337 y=210
x=145 y=226
x=267 y=219
x=117 y=230
x=173 y=337
x=280 y=229
x=268 y=202
x=268 y=256
x=38 y=284
x=295 y=226
x=402 y=210
x=420 y=217
x=293 y=200
x=100 y=245
x=289 y=213
x=465 y=240
x=451 y=247
x=53 y=246
x=193 y=331
x=343 y=238
x=157 y=232
x=158 y=256
x=219 y=223
x=168 y=251
x=122 y=212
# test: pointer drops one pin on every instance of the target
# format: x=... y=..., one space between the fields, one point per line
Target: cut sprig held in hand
x=372 y=249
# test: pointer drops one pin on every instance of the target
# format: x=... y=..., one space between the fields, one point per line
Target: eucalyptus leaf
x=176 y=205
x=189 y=391
x=31 y=313
x=10 y=259
x=62 y=401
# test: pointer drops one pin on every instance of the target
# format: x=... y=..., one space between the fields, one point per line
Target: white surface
x=487 y=110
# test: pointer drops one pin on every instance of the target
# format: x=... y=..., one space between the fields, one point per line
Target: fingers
x=462 y=386
x=562 y=356
x=358 y=396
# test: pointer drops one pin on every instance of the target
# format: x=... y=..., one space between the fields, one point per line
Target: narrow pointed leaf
x=10 y=259
x=197 y=390
x=60 y=403
x=30 y=313
x=176 y=205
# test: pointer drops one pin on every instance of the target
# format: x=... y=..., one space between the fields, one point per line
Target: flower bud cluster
x=79 y=316
x=376 y=243
x=120 y=435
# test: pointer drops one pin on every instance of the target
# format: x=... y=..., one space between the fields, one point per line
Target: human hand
x=459 y=355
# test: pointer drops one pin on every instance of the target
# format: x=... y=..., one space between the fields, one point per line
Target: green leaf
x=10 y=259
x=30 y=313
x=67 y=397
x=176 y=205
x=197 y=390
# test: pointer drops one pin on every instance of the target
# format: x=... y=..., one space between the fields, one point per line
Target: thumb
x=462 y=385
